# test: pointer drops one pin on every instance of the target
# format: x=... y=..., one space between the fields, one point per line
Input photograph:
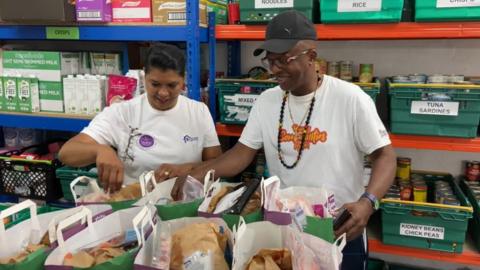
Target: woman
x=150 y=131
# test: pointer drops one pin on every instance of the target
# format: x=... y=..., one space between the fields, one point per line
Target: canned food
x=406 y=192
x=401 y=79
x=418 y=78
x=365 y=73
x=420 y=193
x=437 y=78
x=472 y=171
x=473 y=184
x=455 y=78
x=321 y=66
x=346 y=72
x=403 y=168
x=394 y=196
x=333 y=69
x=451 y=200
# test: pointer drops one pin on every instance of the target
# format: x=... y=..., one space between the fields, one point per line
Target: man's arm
x=384 y=165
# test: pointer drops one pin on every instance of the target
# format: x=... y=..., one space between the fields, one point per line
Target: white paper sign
x=457 y=3
x=435 y=108
x=273 y=4
x=359 y=5
x=422 y=231
x=244 y=100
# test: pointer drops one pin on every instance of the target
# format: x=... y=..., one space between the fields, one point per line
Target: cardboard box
x=11 y=93
x=37 y=10
x=172 y=12
x=43 y=65
x=94 y=11
x=131 y=10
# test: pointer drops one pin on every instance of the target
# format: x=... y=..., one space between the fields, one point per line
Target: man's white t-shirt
x=145 y=137
x=344 y=126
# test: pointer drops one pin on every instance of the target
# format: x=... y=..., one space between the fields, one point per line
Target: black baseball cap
x=285 y=30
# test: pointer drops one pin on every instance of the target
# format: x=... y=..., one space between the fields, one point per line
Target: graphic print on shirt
x=313 y=136
x=127 y=155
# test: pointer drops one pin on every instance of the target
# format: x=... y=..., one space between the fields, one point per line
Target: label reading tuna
x=359 y=5
x=244 y=100
x=435 y=108
x=422 y=231
x=457 y=3
x=273 y=4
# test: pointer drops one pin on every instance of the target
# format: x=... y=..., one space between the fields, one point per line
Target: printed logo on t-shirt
x=189 y=139
x=313 y=136
x=146 y=141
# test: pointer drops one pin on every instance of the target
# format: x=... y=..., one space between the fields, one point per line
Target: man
x=315 y=131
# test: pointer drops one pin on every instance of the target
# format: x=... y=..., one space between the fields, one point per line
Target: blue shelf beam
x=193 y=50
x=212 y=95
x=43 y=122
x=109 y=33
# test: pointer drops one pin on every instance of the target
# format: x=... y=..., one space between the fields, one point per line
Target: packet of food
x=120 y=88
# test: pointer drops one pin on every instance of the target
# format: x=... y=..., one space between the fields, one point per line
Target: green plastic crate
x=263 y=11
x=374 y=264
x=426 y=10
x=220 y=11
x=475 y=221
x=465 y=124
x=25 y=214
x=372 y=89
x=67 y=174
x=427 y=219
x=388 y=11
x=235 y=106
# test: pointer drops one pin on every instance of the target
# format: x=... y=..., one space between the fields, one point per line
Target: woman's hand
x=110 y=168
x=167 y=171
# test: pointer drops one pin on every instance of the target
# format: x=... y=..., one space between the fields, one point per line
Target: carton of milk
x=70 y=95
x=94 y=94
x=10 y=90
x=24 y=95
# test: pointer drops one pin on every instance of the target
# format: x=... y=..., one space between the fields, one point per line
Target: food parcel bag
x=231 y=201
x=309 y=209
x=97 y=246
x=159 y=194
x=26 y=245
x=307 y=252
x=93 y=194
x=187 y=244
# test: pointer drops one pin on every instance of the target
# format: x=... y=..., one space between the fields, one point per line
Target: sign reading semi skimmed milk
x=273 y=4
x=423 y=231
x=359 y=5
x=457 y=3
x=435 y=108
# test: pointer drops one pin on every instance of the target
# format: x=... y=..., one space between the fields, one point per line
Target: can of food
x=473 y=184
x=455 y=78
x=451 y=200
x=365 y=74
x=346 y=72
x=406 y=192
x=472 y=171
x=401 y=79
x=321 y=66
x=393 y=196
x=333 y=69
x=403 y=168
x=420 y=192
x=417 y=78
x=441 y=193
x=437 y=78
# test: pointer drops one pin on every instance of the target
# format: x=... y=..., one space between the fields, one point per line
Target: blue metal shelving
x=193 y=34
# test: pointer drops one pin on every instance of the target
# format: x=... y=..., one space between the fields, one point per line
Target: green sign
x=63 y=32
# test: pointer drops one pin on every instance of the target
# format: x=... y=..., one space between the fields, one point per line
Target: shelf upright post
x=212 y=43
x=234 y=58
x=193 y=49
x=125 y=60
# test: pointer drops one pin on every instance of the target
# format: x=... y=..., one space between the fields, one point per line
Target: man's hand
x=361 y=212
x=167 y=171
x=110 y=168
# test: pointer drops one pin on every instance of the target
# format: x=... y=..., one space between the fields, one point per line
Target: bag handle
x=92 y=182
x=341 y=241
x=145 y=179
x=35 y=225
x=58 y=218
x=142 y=218
x=208 y=180
x=83 y=214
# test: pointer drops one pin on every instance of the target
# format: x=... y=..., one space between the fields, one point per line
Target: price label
x=359 y=5
x=457 y=3
x=72 y=33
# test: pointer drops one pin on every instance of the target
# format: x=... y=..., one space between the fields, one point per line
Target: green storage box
x=236 y=98
x=374 y=264
x=25 y=214
x=429 y=109
x=475 y=221
x=447 y=10
x=349 y=11
x=262 y=11
x=220 y=11
x=372 y=89
x=67 y=174
x=427 y=225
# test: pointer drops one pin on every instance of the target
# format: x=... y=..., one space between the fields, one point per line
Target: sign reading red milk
x=132 y=10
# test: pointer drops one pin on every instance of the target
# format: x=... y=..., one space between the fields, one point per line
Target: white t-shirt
x=344 y=126
x=145 y=137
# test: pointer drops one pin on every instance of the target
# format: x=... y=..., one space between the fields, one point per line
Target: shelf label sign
x=435 y=108
x=63 y=33
x=422 y=231
x=457 y=3
x=242 y=99
x=359 y=5
x=273 y=4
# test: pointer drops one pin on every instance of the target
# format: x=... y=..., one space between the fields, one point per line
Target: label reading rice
x=359 y=5
x=273 y=4
x=422 y=231
x=457 y=3
x=435 y=108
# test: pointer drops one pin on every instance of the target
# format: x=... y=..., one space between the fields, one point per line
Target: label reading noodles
x=422 y=231
x=359 y=5
x=457 y=3
x=273 y=4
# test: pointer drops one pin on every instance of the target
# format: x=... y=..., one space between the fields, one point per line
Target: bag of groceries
x=309 y=209
x=27 y=244
x=187 y=244
x=264 y=245
x=93 y=194
x=158 y=194
x=231 y=201
x=110 y=243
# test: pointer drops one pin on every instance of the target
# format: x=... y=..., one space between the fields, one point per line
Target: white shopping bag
x=308 y=252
